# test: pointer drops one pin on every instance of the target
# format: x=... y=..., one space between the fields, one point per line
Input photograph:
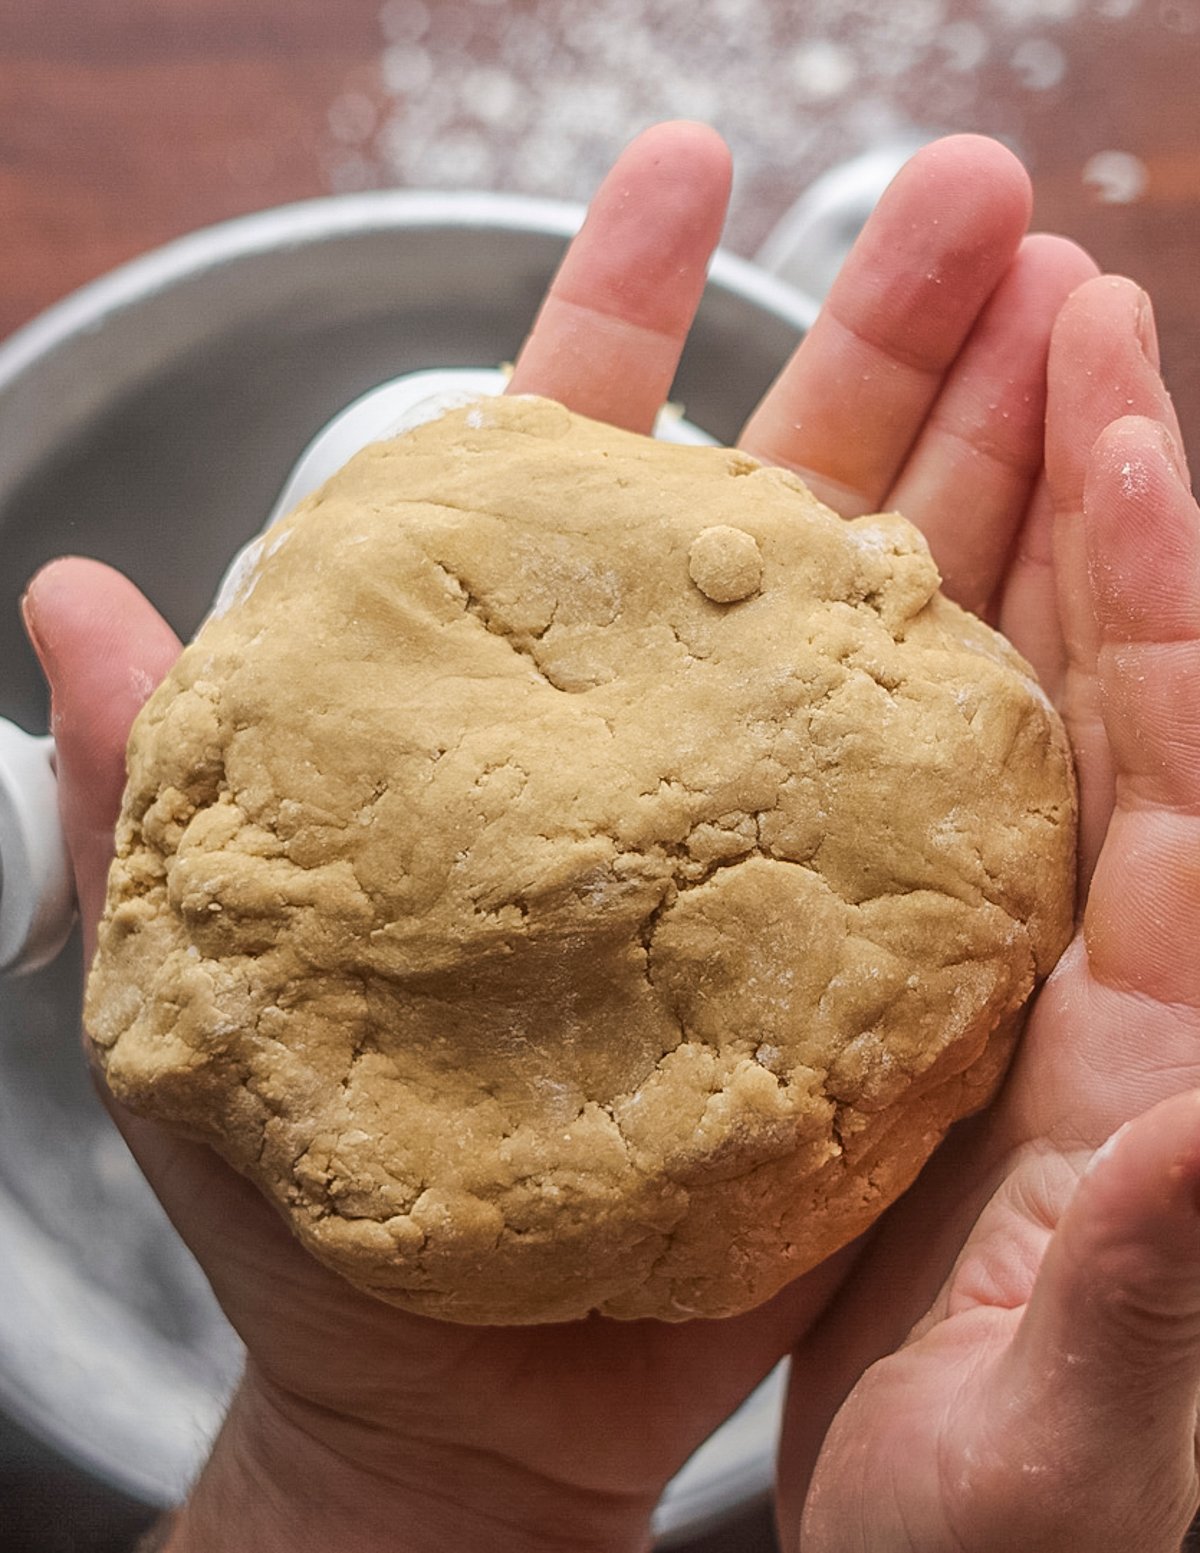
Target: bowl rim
x=314 y=222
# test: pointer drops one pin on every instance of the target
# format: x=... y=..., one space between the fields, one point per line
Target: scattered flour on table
x=535 y=96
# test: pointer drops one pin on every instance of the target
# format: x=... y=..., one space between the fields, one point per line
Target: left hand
x=359 y=1426
x=356 y=1419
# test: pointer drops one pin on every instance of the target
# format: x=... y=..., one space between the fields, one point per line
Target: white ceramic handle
x=37 y=902
x=37 y=894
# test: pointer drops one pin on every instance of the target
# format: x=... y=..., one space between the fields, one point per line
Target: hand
x=358 y=1425
x=1046 y=1399
x=355 y=1420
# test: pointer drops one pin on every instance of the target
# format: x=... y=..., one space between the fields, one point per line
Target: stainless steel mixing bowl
x=150 y=420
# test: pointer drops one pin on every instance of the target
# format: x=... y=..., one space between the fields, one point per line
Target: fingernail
x=1189 y=1172
x=40 y=590
x=1106 y=1148
x=45 y=657
x=30 y=620
x=1170 y=451
x=1147 y=332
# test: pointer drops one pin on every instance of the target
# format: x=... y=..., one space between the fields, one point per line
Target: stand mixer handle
x=37 y=892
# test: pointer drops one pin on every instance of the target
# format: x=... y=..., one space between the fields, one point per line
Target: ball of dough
x=725 y=563
x=543 y=934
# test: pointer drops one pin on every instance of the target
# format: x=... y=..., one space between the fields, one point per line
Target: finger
x=103 y=649
x=970 y=476
x=849 y=405
x=610 y=333
x=1103 y=365
x=1142 y=531
x=1026 y=605
x=1104 y=1370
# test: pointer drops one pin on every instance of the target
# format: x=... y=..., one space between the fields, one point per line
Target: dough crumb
x=725 y=564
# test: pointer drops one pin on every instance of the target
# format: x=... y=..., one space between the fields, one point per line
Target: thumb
x=1143 y=540
x=1105 y=1365
x=103 y=648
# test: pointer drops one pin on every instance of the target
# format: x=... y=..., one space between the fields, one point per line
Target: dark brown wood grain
x=124 y=123
x=127 y=122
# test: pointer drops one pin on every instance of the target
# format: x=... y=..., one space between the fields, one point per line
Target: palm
x=527 y=1400
x=955 y=1439
x=969 y=1435
x=921 y=1440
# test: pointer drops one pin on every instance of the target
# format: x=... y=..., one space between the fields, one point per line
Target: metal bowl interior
x=150 y=420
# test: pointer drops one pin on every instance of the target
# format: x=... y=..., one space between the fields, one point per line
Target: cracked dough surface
x=580 y=873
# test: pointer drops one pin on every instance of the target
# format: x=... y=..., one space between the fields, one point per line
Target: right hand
x=1028 y=1317
x=1006 y=1274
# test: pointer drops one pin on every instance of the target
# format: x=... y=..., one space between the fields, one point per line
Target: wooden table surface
x=124 y=123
